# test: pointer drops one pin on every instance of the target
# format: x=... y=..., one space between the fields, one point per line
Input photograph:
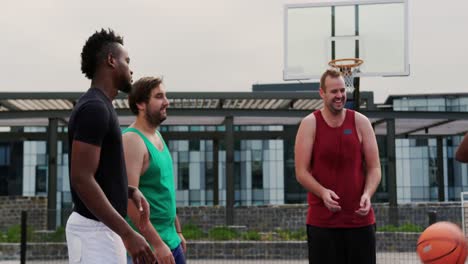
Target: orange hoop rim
x=353 y=62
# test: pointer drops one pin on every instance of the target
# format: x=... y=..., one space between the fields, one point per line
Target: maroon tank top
x=337 y=164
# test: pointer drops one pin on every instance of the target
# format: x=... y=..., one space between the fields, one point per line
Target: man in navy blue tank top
x=337 y=161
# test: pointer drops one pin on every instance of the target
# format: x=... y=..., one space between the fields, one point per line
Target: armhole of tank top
x=145 y=141
x=317 y=117
x=355 y=126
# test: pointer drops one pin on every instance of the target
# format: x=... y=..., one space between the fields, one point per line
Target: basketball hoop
x=349 y=68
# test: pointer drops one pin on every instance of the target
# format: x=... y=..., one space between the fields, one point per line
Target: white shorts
x=91 y=241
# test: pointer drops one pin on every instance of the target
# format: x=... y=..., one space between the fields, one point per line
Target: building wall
x=258 y=169
x=416 y=158
x=35 y=170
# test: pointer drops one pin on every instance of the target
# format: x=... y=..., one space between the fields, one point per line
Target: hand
x=183 y=243
x=140 y=202
x=163 y=254
x=329 y=198
x=138 y=248
x=365 y=205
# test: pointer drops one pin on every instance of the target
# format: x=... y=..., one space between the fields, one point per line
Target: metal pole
x=52 y=169
x=24 y=216
x=216 y=172
x=440 y=169
x=356 y=94
x=392 y=188
x=229 y=142
x=432 y=215
x=391 y=153
x=357 y=80
x=462 y=200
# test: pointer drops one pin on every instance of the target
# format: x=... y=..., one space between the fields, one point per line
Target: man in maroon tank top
x=462 y=151
x=337 y=161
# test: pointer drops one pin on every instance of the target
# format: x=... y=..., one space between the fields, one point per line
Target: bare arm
x=462 y=151
x=372 y=161
x=302 y=156
x=178 y=228
x=84 y=163
x=371 y=155
x=135 y=151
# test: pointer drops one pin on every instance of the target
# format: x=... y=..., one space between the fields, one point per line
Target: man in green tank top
x=149 y=167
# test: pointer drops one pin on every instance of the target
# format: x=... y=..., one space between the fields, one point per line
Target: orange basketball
x=442 y=243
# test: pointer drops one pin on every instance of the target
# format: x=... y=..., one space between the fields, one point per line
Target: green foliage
x=292 y=235
x=267 y=236
x=3 y=237
x=408 y=227
x=223 y=233
x=56 y=236
x=13 y=235
x=251 y=235
x=192 y=232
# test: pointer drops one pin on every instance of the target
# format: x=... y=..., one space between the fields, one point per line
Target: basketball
x=442 y=243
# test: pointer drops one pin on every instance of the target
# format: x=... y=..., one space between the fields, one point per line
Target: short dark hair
x=330 y=72
x=141 y=91
x=96 y=48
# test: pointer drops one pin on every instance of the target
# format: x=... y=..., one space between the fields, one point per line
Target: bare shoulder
x=361 y=120
x=309 y=121
x=133 y=140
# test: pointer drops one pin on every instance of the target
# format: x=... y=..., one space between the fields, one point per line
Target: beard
x=155 y=119
x=125 y=86
x=334 y=109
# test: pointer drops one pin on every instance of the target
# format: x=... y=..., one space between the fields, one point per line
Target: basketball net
x=349 y=68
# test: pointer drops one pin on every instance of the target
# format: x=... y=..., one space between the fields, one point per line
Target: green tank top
x=157 y=185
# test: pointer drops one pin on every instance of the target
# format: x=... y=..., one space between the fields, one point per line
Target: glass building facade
x=258 y=168
x=416 y=158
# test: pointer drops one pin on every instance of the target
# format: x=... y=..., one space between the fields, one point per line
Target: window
x=209 y=175
x=421 y=142
x=41 y=179
x=237 y=175
x=257 y=175
x=194 y=145
x=4 y=155
x=183 y=176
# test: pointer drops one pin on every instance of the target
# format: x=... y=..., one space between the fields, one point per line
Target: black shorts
x=341 y=245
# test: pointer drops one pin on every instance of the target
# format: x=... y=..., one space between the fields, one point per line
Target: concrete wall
x=292 y=217
x=258 y=218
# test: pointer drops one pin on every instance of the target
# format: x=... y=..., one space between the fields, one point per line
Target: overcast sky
x=207 y=45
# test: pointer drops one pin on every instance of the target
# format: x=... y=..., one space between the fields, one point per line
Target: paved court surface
x=382 y=258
